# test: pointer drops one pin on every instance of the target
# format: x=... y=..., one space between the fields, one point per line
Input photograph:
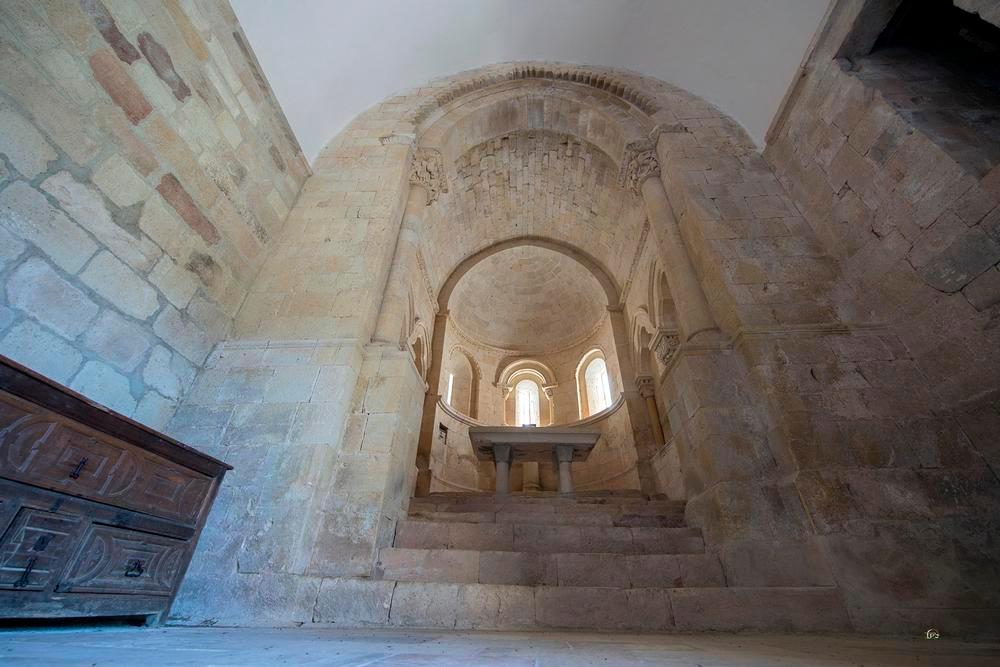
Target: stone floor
x=247 y=647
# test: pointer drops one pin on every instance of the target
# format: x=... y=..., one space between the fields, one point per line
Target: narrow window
x=526 y=397
x=598 y=386
x=451 y=386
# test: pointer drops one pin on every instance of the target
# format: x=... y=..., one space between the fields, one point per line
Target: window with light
x=526 y=402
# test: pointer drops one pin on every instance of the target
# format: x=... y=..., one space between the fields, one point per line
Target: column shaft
x=564 y=457
x=501 y=455
x=431 y=398
x=693 y=314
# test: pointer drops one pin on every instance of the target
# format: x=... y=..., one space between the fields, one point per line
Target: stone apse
x=804 y=341
x=794 y=415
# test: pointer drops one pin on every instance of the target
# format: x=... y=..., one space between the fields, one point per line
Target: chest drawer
x=43 y=448
x=34 y=548
x=118 y=560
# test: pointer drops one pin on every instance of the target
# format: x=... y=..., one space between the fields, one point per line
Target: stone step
x=360 y=602
x=553 y=518
x=458 y=566
x=552 y=507
x=444 y=502
x=541 y=538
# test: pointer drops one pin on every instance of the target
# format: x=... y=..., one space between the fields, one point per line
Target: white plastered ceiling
x=329 y=60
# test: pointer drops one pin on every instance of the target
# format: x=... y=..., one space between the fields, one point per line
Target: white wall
x=328 y=60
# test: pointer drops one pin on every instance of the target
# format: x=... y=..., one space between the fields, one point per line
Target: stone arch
x=419 y=349
x=598 y=79
x=642 y=332
x=510 y=374
x=607 y=282
x=661 y=302
x=582 y=391
x=465 y=391
x=512 y=108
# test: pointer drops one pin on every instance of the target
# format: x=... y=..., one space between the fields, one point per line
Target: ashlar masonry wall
x=145 y=168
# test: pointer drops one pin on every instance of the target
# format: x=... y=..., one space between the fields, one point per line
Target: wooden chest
x=99 y=515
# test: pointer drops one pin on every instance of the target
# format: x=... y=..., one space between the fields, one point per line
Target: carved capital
x=638 y=164
x=665 y=346
x=427 y=171
x=646 y=386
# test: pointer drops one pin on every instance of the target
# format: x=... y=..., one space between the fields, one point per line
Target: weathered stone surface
x=85 y=205
x=119 y=86
x=106 y=386
x=25 y=147
x=44 y=352
x=118 y=341
x=167 y=372
x=354 y=602
x=517 y=568
x=176 y=283
x=182 y=335
x=424 y=605
x=118 y=284
x=38 y=290
x=120 y=183
x=450 y=565
x=25 y=213
x=154 y=410
x=984 y=291
x=495 y=607
x=759 y=609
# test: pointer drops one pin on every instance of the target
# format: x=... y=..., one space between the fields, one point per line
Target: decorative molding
x=425 y=278
x=665 y=345
x=646 y=386
x=402 y=138
x=635 y=262
x=638 y=163
x=427 y=171
x=604 y=81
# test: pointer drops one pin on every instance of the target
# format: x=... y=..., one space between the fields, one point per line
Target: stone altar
x=523 y=444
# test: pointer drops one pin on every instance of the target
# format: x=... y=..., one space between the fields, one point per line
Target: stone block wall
x=893 y=424
x=145 y=168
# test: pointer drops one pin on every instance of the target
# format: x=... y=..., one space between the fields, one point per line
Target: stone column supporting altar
x=501 y=456
x=564 y=459
x=641 y=174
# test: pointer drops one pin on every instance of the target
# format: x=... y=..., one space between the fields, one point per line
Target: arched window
x=451 y=388
x=598 y=386
x=526 y=400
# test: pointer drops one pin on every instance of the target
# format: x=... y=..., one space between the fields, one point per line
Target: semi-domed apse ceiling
x=327 y=61
x=528 y=299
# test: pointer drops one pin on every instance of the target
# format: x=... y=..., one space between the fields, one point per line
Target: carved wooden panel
x=115 y=560
x=99 y=515
x=41 y=447
x=34 y=548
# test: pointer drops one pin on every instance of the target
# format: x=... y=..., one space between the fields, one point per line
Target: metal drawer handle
x=134 y=568
x=75 y=473
x=23 y=581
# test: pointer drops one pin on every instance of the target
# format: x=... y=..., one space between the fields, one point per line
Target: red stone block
x=175 y=194
x=109 y=30
x=163 y=66
x=119 y=85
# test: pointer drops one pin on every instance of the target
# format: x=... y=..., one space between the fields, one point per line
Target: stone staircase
x=595 y=561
